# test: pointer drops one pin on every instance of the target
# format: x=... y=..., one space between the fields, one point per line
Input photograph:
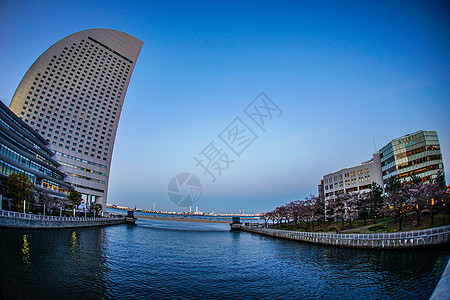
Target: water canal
x=161 y=260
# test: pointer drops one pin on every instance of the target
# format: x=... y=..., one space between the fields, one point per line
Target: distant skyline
x=346 y=76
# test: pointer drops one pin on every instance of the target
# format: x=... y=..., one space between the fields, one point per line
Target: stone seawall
x=20 y=220
x=420 y=238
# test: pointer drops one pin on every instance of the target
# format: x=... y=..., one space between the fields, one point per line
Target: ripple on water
x=159 y=259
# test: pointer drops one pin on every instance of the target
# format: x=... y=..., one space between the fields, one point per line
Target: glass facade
x=22 y=150
x=26 y=162
x=418 y=153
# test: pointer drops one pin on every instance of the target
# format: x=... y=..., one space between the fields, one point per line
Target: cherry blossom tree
x=265 y=217
x=363 y=207
x=351 y=201
x=439 y=196
x=396 y=200
x=418 y=195
x=319 y=207
x=337 y=207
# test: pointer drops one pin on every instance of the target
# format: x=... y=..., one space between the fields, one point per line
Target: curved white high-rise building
x=73 y=95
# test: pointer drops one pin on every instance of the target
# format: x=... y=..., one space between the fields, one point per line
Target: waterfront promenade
x=410 y=239
x=20 y=220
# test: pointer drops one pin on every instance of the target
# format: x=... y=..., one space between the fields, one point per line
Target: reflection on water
x=25 y=250
x=438 y=266
x=73 y=241
x=325 y=256
x=61 y=263
x=74 y=244
x=160 y=260
x=373 y=262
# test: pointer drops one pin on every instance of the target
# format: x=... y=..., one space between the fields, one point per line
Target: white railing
x=17 y=215
x=419 y=234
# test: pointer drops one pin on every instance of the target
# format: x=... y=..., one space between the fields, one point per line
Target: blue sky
x=345 y=74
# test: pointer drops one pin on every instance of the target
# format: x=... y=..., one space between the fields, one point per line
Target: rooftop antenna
x=374 y=147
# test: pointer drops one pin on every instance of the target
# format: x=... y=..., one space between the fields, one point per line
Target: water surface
x=161 y=260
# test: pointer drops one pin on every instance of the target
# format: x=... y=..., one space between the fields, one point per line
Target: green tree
x=20 y=188
x=98 y=208
x=74 y=198
x=376 y=200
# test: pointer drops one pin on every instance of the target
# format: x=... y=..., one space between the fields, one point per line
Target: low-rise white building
x=352 y=179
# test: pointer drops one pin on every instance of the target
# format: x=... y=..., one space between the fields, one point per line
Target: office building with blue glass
x=23 y=150
x=417 y=153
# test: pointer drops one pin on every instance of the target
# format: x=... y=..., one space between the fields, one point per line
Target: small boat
x=236 y=224
x=130 y=219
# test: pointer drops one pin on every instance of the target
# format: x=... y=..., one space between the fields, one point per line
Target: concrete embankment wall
x=19 y=220
x=420 y=238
